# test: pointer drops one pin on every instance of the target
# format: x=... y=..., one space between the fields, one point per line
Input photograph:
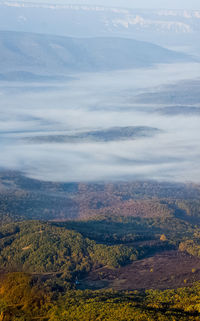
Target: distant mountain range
x=22 y=54
x=172 y=28
x=23 y=14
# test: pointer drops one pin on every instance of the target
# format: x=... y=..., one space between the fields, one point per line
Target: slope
x=52 y=54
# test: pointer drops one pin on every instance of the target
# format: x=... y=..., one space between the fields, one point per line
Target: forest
x=115 y=251
x=22 y=297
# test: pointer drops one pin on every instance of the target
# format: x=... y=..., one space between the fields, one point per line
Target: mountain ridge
x=20 y=51
x=177 y=29
x=184 y=20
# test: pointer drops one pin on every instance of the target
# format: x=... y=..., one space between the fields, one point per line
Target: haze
x=99 y=101
x=153 y=4
x=62 y=98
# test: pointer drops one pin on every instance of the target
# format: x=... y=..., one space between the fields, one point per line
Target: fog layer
x=97 y=102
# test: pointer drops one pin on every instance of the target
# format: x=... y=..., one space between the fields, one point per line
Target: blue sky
x=178 y=4
x=151 y=4
x=169 y=4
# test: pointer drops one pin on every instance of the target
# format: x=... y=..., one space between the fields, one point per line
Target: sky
x=151 y=4
x=168 y=4
x=174 y=4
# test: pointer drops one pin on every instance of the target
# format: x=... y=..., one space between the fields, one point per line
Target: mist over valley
x=99 y=164
x=63 y=131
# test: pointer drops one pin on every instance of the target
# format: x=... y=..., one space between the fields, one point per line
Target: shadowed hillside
x=52 y=54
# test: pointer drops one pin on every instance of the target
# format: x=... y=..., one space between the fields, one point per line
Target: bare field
x=166 y=270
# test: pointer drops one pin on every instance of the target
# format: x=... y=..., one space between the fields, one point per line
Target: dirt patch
x=26 y=248
x=170 y=269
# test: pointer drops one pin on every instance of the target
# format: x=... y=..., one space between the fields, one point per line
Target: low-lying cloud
x=96 y=102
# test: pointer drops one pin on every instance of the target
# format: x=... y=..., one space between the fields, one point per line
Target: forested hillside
x=23 y=298
x=70 y=250
x=22 y=198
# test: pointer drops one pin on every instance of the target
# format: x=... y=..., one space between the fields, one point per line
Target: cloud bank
x=95 y=102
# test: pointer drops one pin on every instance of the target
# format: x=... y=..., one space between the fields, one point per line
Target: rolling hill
x=171 y=28
x=45 y=54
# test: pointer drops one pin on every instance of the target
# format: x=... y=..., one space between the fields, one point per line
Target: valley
x=132 y=246
x=165 y=270
x=99 y=165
